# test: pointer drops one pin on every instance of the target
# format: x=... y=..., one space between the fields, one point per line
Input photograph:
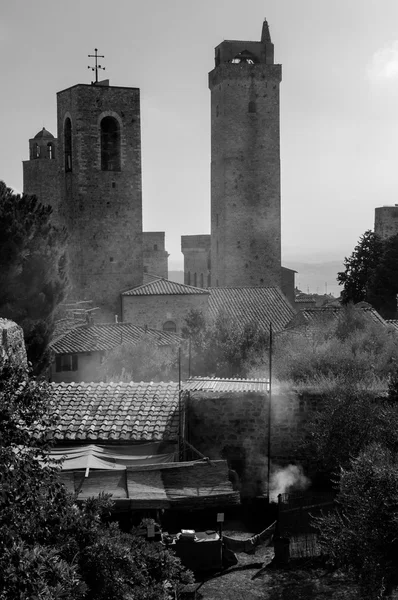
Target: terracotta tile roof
x=312 y=316
x=108 y=412
x=105 y=336
x=161 y=287
x=213 y=384
x=262 y=305
x=198 y=484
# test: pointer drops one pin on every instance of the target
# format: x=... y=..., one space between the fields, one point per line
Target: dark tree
x=224 y=347
x=360 y=267
x=33 y=270
x=383 y=284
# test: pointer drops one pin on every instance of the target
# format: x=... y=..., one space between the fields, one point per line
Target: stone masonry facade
x=235 y=427
x=155 y=255
x=386 y=221
x=156 y=311
x=197 y=262
x=101 y=205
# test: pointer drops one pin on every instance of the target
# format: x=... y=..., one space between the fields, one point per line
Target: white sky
x=339 y=102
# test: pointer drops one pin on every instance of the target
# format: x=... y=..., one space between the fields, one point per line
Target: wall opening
x=50 y=150
x=110 y=144
x=68 y=144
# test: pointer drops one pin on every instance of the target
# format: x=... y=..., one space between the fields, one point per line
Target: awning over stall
x=192 y=485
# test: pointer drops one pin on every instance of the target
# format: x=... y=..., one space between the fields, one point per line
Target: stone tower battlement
x=245 y=164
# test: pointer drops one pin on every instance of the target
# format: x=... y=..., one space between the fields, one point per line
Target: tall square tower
x=245 y=165
x=99 y=158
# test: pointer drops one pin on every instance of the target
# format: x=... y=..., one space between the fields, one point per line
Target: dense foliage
x=223 y=347
x=51 y=548
x=371 y=274
x=33 y=269
x=362 y=534
x=346 y=348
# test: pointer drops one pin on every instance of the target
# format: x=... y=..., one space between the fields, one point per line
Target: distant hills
x=313 y=278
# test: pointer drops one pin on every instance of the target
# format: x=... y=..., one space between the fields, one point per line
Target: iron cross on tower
x=97 y=66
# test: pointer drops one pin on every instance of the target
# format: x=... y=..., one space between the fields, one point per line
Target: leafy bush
x=362 y=535
x=223 y=347
x=349 y=349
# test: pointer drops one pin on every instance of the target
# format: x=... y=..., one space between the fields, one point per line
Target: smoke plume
x=283 y=480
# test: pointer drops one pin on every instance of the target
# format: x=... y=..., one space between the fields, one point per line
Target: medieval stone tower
x=99 y=170
x=386 y=221
x=40 y=172
x=245 y=165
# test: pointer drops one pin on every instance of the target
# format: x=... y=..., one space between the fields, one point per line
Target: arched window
x=201 y=280
x=195 y=281
x=252 y=107
x=170 y=326
x=37 y=151
x=110 y=144
x=50 y=150
x=68 y=144
x=189 y=278
x=208 y=280
x=155 y=246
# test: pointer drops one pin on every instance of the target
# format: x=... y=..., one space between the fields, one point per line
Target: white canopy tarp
x=109 y=457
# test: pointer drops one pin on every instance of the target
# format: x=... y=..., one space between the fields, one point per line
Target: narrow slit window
x=68 y=144
x=110 y=144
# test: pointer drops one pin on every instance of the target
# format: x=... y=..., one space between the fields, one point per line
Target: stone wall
x=197 y=264
x=154 y=311
x=12 y=345
x=155 y=256
x=386 y=221
x=235 y=427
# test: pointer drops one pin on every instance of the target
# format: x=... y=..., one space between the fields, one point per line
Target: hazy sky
x=339 y=102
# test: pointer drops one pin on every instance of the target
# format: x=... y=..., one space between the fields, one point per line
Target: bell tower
x=99 y=147
x=245 y=164
x=40 y=172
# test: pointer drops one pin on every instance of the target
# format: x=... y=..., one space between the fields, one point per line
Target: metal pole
x=189 y=357
x=269 y=412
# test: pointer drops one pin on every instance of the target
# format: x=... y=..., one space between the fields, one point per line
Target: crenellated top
x=249 y=52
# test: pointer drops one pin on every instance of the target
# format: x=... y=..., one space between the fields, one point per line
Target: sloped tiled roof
x=108 y=412
x=105 y=336
x=312 y=316
x=259 y=304
x=161 y=287
x=214 y=384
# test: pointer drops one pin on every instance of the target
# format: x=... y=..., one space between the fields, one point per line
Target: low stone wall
x=235 y=427
x=12 y=345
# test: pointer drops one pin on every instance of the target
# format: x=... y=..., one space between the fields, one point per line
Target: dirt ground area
x=254 y=578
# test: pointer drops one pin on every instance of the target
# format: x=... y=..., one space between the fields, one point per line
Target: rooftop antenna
x=97 y=66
